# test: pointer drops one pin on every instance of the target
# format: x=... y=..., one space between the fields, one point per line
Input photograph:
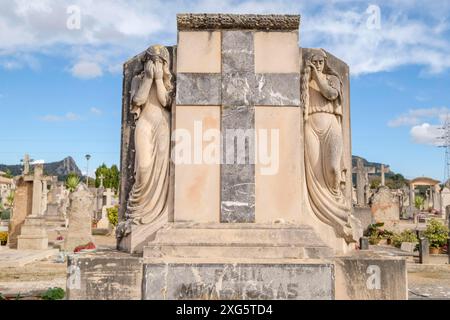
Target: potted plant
x=375 y=233
x=437 y=234
x=3 y=238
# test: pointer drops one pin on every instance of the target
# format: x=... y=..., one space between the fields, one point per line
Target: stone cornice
x=238 y=21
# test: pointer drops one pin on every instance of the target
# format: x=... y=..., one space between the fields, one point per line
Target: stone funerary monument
x=236 y=168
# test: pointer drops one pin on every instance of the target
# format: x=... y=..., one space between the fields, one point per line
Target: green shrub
x=419 y=202
x=53 y=294
x=5 y=215
x=2 y=297
x=404 y=236
x=113 y=215
x=437 y=233
x=72 y=182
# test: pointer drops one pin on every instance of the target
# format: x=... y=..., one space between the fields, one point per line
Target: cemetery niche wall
x=236 y=169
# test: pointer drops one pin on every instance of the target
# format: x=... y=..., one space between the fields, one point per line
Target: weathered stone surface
x=385 y=207
x=127 y=154
x=210 y=281
x=33 y=234
x=369 y=276
x=364 y=215
x=190 y=21
x=237 y=241
x=408 y=246
x=199 y=88
x=104 y=276
x=80 y=218
x=277 y=89
x=237 y=51
x=238 y=88
x=21 y=209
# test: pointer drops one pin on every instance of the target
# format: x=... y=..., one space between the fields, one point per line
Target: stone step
x=238 y=235
x=255 y=241
x=224 y=251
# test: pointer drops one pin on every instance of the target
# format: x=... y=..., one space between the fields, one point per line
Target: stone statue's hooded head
x=316 y=56
x=160 y=52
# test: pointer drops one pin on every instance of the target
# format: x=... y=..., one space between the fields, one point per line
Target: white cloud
x=426 y=134
x=96 y=111
x=86 y=70
x=70 y=116
x=411 y=32
x=417 y=116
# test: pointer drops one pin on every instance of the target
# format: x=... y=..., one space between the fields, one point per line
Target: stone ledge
x=237 y=21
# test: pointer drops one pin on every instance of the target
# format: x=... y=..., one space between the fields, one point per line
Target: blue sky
x=60 y=88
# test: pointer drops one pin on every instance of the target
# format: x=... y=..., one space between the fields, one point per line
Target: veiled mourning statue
x=321 y=95
x=151 y=95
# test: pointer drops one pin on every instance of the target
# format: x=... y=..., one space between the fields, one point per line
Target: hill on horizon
x=61 y=169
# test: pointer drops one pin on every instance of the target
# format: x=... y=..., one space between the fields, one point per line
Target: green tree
x=8 y=174
x=110 y=176
x=397 y=181
x=375 y=183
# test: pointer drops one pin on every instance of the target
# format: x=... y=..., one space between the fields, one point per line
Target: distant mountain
x=61 y=168
x=371 y=164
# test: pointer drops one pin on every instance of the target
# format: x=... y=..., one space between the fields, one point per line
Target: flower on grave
x=88 y=246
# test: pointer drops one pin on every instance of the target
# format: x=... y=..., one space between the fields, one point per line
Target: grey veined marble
x=199 y=89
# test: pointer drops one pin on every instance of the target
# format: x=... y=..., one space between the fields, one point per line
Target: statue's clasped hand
x=149 y=69
x=158 y=70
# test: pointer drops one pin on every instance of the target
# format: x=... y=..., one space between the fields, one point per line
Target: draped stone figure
x=151 y=95
x=322 y=96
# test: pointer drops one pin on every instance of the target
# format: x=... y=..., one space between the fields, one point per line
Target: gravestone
x=362 y=182
x=33 y=234
x=21 y=209
x=80 y=218
x=225 y=197
x=103 y=223
x=385 y=207
x=28 y=204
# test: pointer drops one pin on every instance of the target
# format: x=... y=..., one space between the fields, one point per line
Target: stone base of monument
x=33 y=234
x=237 y=241
x=113 y=275
x=236 y=261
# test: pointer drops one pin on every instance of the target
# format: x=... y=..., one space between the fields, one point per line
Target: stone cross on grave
x=26 y=164
x=108 y=194
x=362 y=180
x=235 y=76
x=101 y=178
x=384 y=170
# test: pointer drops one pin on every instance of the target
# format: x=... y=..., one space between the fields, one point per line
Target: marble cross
x=240 y=83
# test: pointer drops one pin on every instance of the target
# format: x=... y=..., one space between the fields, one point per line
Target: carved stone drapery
x=326 y=160
x=145 y=163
